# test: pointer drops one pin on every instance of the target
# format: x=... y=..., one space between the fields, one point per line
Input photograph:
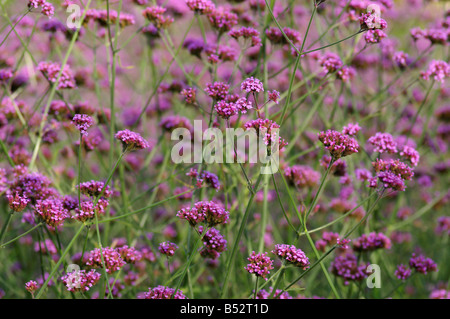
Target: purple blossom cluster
x=52 y=71
x=210 y=213
x=292 y=255
x=213 y=244
x=80 y=280
x=338 y=144
x=83 y=122
x=302 y=176
x=131 y=141
x=347 y=267
x=161 y=292
x=259 y=264
x=372 y=241
x=113 y=261
x=167 y=248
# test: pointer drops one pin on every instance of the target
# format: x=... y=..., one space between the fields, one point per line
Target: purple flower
x=131 y=140
x=52 y=211
x=113 y=260
x=260 y=265
x=162 y=292
x=83 y=122
x=213 y=244
x=302 y=176
x=167 y=248
x=80 y=280
x=371 y=242
x=402 y=272
x=438 y=70
x=51 y=71
x=274 y=96
x=201 y=6
x=338 y=144
x=222 y=19
x=383 y=142
x=292 y=255
x=347 y=267
x=217 y=90
x=422 y=264
x=252 y=85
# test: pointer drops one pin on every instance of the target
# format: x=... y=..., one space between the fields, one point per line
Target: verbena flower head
x=279 y=294
x=83 y=122
x=330 y=62
x=94 y=189
x=410 y=154
x=155 y=15
x=274 y=96
x=201 y=6
x=189 y=95
x=374 y=36
x=268 y=130
x=80 y=280
x=384 y=143
x=51 y=71
x=338 y=144
x=213 y=244
x=217 y=90
x=52 y=211
x=437 y=70
x=31 y=286
x=113 y=260
x=167 y=248
x=402 y=272
x=292 y=255
x=17 y=202
x=422 y=264
x=260 y=264
x=222 y=19
x=371 y=242
x=161 y=292
x=302 y=176
x=371 y=21
x=225 y=110
x=131 y=140
x=130 y=254
x=252 y=84
x=208 y=212
x=347 y=267
x=351 y=129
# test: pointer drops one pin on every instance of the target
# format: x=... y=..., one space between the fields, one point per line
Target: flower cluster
x=52 y=211
x=201 y=6
x=52 y=72
x=213 y=244
x=302 y=176
x=437 y=70
x=130 y=254
x=80 y=280
x=339 y=144
x=167 y=248
x=131 y=141
x=260 y=264
x=106 y=17
x=292 y=255
x=111 y=257
x=47 y=8
x=209 y=212
x=83 y=122
x=347 y=267
x=371 y=242
x=156 y=16
x=161 y=292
